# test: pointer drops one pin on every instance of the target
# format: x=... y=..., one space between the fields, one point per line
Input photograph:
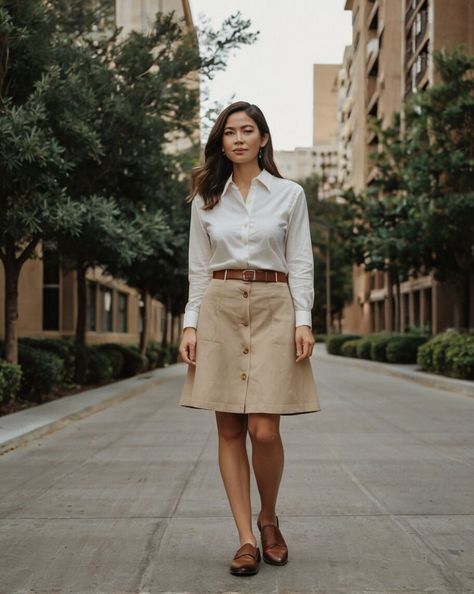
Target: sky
x=276 y=72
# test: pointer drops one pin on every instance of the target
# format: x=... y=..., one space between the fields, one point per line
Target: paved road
x=377 y=496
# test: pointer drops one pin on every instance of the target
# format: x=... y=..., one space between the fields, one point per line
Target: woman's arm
x=199 y=275
x=299 y=256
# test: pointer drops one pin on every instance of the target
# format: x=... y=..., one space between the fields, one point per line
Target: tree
x=326 y=216
x=417 y=215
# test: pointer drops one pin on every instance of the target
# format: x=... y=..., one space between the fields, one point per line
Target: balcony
x=421 y=67
x=372 y=21
x=372 y=50
x=371 y=90
x=421 y=27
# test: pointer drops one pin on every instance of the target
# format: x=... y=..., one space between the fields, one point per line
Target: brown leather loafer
x=246 y=560
x=274 y=548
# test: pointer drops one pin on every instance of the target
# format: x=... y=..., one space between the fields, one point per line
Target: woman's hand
x=304 y=340
x=187 y=348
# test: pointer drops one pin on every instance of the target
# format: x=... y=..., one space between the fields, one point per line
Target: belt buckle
x=249 y=270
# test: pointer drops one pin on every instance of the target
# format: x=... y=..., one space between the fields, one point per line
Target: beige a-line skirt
x=246 y=352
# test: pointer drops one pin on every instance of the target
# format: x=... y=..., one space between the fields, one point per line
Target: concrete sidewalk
x=376 y=495
x=410 y=372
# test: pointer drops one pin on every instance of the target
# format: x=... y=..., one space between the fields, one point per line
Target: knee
x=231 y=429
x=264 y=437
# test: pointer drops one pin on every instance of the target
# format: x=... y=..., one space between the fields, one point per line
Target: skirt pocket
x=207 y=324
x=283 y=318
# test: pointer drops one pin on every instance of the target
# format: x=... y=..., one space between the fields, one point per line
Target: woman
x=247 y=334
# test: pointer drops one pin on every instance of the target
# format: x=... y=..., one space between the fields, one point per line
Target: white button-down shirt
x=270 y=230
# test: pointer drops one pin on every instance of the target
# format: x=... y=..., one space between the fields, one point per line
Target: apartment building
x=48 y=289
x=389 y=60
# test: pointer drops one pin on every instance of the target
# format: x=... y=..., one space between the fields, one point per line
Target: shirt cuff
x=190 y=318
x=303 y=318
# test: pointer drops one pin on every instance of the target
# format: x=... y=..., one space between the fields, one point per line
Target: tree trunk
x=12 y=267
x=395 y=280
x=80 y=371
x=144 y=335
x=164 y=339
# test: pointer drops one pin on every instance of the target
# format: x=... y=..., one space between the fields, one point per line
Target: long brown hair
x=209 y=179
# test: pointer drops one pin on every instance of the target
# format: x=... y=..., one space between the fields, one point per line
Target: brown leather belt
x=251 y=274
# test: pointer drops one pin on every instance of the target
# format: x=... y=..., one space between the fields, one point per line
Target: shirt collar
x=264 y=177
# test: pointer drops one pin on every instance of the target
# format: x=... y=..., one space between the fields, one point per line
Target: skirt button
x=244 y=376
x=245 y=294
x=245 y=351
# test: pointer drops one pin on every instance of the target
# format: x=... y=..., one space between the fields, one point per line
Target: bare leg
x=235 y=470
x=267 y=461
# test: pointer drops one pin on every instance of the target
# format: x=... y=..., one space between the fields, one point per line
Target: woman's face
x=242 y=140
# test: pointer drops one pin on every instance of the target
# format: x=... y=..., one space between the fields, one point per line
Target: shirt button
x=245 y=294
x=245 y=351
x=244 y=376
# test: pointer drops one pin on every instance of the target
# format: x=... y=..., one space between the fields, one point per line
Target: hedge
x=63 y=348
x=403 y=349
x=334 y=342
x=450 y=353
x=10 y=380
x=42 y=371
x=349 y=347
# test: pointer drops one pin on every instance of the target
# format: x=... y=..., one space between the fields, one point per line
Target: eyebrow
x=244 y=126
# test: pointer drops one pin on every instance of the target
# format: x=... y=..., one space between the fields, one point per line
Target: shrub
x=63 y=348
x=432 y=355
x=115 y=356
x=364 y=347
x=98 y=366
x=449 y=353
x=41 y=371
x=334 y=342
x=378 y=347
x=349 y=348
x=403 y=349
x=460 y=357
x=134 y=362
x=10 y=380
x=153 y=353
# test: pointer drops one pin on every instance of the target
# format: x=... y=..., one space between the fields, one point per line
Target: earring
x=260 y=153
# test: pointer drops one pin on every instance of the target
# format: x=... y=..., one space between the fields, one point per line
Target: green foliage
x=403 y=349
x=10 y=380
x=98 y=365
x=378 y=347
x=334 y=342
x=417 y=215
x=450 y=353
x=134 y=361
x=328 y=219
x=41 y=371
x=364 y=347
x=349 y=347
x=63 y=348
x=115 y=356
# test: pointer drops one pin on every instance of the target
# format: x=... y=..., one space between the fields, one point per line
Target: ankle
x=251 y=540
x=267 y=518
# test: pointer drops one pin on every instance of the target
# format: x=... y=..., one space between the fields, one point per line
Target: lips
x=240 y=150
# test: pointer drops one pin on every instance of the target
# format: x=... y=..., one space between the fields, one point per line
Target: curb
x=414 y=373
x=20 y=428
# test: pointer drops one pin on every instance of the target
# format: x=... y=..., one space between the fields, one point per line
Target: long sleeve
x=299 y=256
x=199 y=275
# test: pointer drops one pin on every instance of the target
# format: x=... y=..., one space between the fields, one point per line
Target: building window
x=51 y=284
x=107 y=309
x=92 y=306
x=123 y=312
